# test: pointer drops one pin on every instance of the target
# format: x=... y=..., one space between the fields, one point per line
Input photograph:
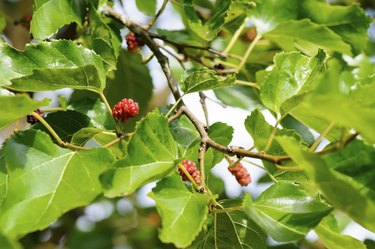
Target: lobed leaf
x=50 y=66
x=45 y=181
x=285 y=212
x=182 y=212
x=202 y=79
x=151 y=154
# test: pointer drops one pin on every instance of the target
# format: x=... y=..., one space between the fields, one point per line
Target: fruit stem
x=105 y=101
x=173 y=107
x=226 y=210
x=246 y=83
x=234 y=38
x=248 y=52
x=321 y=136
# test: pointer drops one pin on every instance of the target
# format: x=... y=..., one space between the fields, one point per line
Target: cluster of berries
x=125 y=109
x=240 y=172
x=134 y=42
x=192 y=169
x=33 y=120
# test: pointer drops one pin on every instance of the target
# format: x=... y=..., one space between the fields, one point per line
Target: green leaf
x=350 y=22
x=243 y=97
x=51 y=65
x=182 y=212
x=308 y=37
x=3 y=178
x=99 y=137
x=202 y=79
x=15 y=107
x=6 y=243
x=353 y=175
x=186 y=137
x=285 y=212
x=131 y=80
x=93 y=108
x=65 y=123
x=50 y=15
x=268 y=14
x=148 y=7
x=211 y=27
x=331 y=237
x=222 y=134
x=354 y=109
x=105 y=41
x=47 y=181
x=3 y=22
x=293 y=74
x=233 y=230
x=151 y=155
x=289 y=122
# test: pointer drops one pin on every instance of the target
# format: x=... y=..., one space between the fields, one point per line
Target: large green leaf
x=222 y=134
x=293 y=74
x=151 y=155
x=45 y=181
x=243 y=97
x=104 y=40
x=212 y=26
x=350 y=22
x=186 y=136
x=131 y=80
x=15 y=107
x=328 y=232
x=182 y=212
x=3 y=178
x=285 y=212
x=65 y=123
x=50 y=15
x=6 y=243
x=348 y=171
x=232 y=230
x=308 y=37
x=354 y=109
x=268 y=14
x=93 y=108
x=202 y=79
x=51 y=65
x=148 y=7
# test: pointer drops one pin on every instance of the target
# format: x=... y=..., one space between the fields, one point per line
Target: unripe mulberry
x=241 y=174
x=192 y=169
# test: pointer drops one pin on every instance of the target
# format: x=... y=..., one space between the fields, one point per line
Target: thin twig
x=321 y=136
x=204 y=107
x=161 y=10
x=180 y=60
x=176 y=115
x=202 y=152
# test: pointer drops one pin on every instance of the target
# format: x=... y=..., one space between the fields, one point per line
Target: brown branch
x=231 y=150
